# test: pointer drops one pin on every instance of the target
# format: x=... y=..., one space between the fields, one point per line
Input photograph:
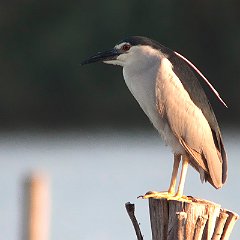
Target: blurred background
x=82 y=126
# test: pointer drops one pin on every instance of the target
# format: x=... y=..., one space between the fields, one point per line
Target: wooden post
x=189 y=220
x=39 y=207
x=198 y=220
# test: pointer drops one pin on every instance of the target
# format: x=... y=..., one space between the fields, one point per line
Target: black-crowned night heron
x=166 y=86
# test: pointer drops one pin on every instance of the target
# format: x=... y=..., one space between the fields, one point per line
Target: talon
x=150 y=192
x=158 y=195
x=180 y=198
x=166 y=195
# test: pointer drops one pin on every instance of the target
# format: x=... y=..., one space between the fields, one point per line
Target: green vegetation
x=43 y=42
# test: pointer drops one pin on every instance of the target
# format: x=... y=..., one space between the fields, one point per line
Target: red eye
x=126 y=47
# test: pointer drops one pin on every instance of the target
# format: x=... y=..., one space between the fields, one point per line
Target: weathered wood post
x=39 y=207
x=189 y=220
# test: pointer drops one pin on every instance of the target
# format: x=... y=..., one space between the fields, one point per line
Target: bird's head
x=129 y=51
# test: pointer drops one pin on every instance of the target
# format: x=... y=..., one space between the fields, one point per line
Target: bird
x=168 y=89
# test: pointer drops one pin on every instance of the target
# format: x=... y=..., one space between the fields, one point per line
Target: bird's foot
x=153 y=194
x=181 y=198
x=166 y=195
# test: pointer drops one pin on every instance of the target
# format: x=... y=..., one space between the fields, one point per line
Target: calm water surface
x=93 y=175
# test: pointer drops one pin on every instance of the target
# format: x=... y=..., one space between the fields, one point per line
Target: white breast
x=142 y=84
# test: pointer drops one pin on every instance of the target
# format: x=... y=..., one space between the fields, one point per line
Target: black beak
x=102 y=56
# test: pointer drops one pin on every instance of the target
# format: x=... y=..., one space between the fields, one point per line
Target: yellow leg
x=170 y=193
x=177 y=159
x=171 y=190
x=185 y=161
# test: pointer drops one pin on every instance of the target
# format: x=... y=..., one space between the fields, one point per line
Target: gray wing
x=209 y=159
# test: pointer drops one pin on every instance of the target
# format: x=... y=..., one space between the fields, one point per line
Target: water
x=93 y=175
